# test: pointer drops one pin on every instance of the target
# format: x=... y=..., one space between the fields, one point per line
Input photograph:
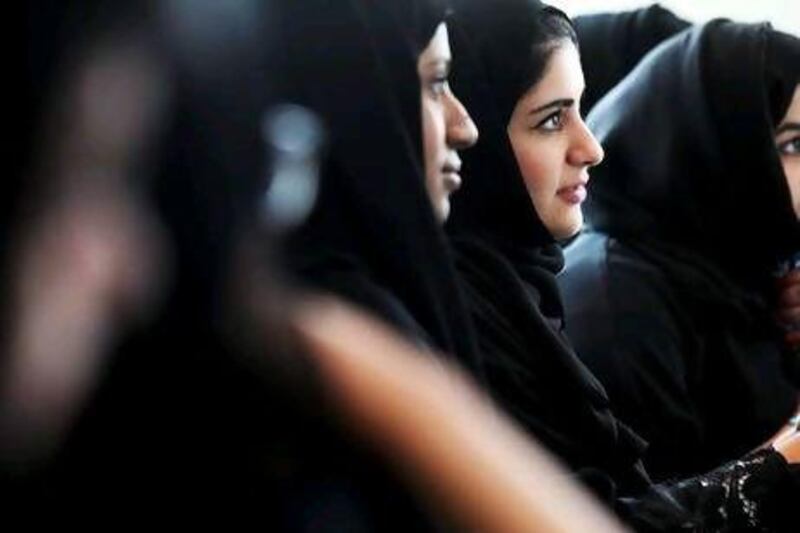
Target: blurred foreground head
x=145 y=156
x=81 y=250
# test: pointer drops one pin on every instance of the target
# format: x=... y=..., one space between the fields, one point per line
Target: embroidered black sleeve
x=758 y=493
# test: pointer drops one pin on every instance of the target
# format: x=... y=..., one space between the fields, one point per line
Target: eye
x=553 y=122
x=438 y=86
x=790 y=147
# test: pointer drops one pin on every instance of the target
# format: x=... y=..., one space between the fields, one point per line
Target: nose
x=586 y=150
x=461 y=130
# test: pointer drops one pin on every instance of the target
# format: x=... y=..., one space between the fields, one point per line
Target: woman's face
x=446 y=126
x=553 y=146
x=787 y=138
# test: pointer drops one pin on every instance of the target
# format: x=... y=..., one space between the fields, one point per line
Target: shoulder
x=603 y=271
x=618 y=303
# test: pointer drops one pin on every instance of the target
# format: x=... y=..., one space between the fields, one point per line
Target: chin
x=567 y=229
x=442 y=210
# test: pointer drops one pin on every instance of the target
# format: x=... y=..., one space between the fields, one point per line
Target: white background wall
x=783 y=14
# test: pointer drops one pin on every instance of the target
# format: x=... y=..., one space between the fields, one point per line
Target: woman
x=666 y=301
x=525 y=189
x=373 y=236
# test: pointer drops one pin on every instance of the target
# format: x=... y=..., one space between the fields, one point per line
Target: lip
x=451 y=180
x=451 y=176
x=573 y=194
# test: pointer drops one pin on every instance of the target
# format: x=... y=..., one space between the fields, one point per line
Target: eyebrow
x=560 y=103
x=788 y=126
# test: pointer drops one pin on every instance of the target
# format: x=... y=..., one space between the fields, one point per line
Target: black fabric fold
x=613 y=43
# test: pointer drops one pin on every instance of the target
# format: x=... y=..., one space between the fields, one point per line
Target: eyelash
x=557 y=117
x=438 y=86
x=790 y=147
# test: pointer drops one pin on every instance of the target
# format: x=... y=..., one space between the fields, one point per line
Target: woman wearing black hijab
x=524 y=188
x=373 y=236
x=613 y=43
x=671 y=300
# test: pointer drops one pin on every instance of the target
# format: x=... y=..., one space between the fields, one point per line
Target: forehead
x=438 y=48
x=562 y=78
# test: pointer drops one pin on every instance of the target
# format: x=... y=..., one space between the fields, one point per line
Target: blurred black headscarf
x=613 y=43
x=691 y=162
x=372 y=236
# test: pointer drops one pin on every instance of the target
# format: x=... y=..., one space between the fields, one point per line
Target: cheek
x=433 y=134
x=791 y=167
x=538 y=169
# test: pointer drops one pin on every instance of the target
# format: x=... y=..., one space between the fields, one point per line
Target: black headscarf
x=373 y=237
x=613 y=43
x=501 y=39
x=690 y=154
x=509 y=260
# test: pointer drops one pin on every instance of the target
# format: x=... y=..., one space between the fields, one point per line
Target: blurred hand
x=434 y=424
x=789 y=446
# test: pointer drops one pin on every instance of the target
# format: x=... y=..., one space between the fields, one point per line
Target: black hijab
x=691 y=170
x=494 y=38
x=509 y=260
x=613 y=43
x=372 y=236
